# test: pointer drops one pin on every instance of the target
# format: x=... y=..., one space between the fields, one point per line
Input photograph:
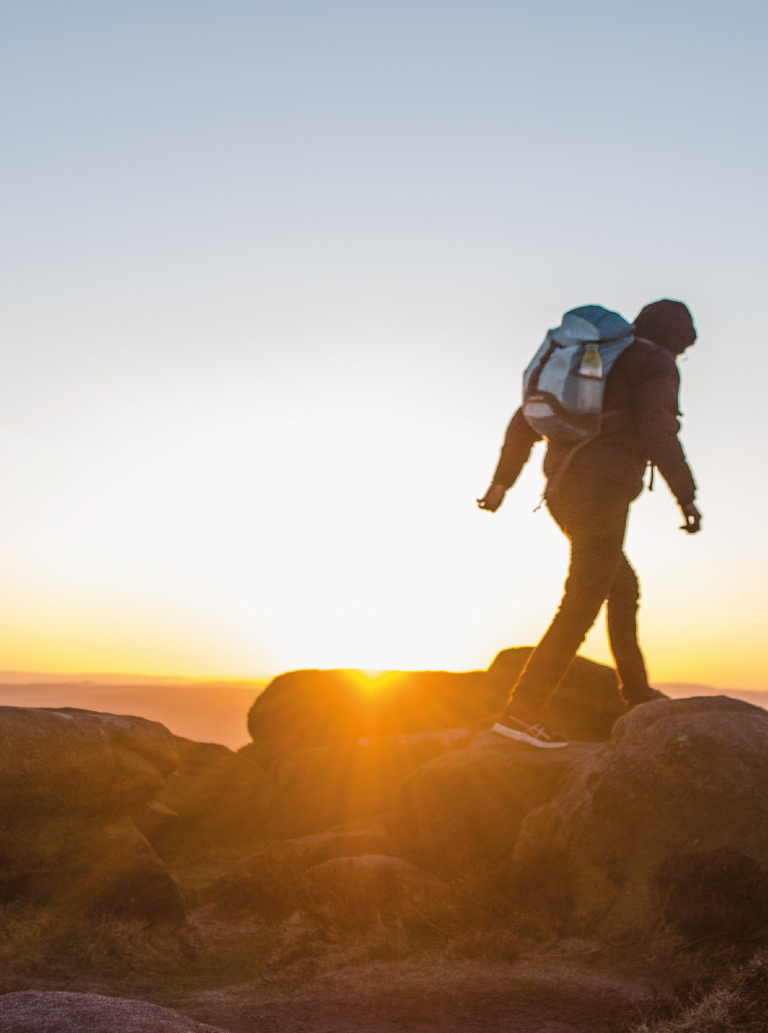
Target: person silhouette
x=589 y=491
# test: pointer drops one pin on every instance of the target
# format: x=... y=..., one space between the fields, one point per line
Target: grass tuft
x=738 y=1005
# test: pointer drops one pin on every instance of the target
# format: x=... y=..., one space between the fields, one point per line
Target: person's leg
x=622 y=633
x=596 y=528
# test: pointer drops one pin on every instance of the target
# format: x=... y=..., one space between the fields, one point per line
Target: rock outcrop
x=221 y=805
x=461 y=813
x=69 y=781
x=80 y=759
x=305 y=710
x=667 y=824
x=56 y=1011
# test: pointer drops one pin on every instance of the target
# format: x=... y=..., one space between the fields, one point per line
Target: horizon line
x=106 y=679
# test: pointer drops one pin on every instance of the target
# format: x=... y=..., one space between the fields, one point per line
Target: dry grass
x=738 y=1005
x=248 y=959
x=42 y=948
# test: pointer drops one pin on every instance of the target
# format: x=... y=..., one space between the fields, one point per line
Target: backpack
x=564 y=383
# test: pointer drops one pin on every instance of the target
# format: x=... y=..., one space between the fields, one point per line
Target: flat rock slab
x=58 y=1012
x=380 y=998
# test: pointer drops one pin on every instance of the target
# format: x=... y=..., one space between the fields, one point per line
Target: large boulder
x=305 y=710
x=461 y=813
x=667 y=825
x=80 y=760
x=57 y=1011
x=69 y=781
x=372 y=890
x=271 y=881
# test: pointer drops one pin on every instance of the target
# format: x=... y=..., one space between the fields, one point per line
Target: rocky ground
x=379 y=861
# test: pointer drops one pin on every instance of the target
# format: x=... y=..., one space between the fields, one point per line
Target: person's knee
x=586 y=593
x=581 y=608
x=625 y=588
x=626 y=596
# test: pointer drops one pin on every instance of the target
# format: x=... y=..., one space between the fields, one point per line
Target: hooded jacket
x=645 y=383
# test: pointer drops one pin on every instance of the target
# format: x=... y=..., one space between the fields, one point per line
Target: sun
x=370 y=680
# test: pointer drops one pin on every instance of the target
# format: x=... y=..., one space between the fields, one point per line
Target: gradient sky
x=270 y=274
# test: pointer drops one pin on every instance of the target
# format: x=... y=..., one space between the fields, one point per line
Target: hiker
x=603 y=393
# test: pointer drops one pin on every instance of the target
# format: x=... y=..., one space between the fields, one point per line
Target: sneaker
x=534 y=735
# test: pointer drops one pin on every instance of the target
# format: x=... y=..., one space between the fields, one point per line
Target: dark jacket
x=645 y=382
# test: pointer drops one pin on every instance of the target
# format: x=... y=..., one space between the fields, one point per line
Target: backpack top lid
x=559 y=402
x=591 y=324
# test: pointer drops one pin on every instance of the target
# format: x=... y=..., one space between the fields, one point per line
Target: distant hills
x=203 y=711
x=681 y=690
x=39 y=678
x=206 y=711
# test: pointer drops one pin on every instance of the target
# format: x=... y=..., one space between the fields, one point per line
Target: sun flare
x=375 y=680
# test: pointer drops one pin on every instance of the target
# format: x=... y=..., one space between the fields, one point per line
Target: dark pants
x=595 y=525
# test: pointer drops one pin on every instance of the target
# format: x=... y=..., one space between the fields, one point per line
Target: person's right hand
x=692 y=519
x=493 y=498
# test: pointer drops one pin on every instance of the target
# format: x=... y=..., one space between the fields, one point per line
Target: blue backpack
x=564 y=383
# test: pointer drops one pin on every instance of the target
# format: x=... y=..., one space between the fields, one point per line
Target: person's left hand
x=493 y=498
x=692 y=519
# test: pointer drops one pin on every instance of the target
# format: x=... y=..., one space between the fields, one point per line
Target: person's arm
x=518 y=442
x=656 y=411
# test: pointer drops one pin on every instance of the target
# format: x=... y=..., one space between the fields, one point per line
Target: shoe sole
x=511 y=733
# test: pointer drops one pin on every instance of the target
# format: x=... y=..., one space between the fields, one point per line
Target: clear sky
x=270 y=274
